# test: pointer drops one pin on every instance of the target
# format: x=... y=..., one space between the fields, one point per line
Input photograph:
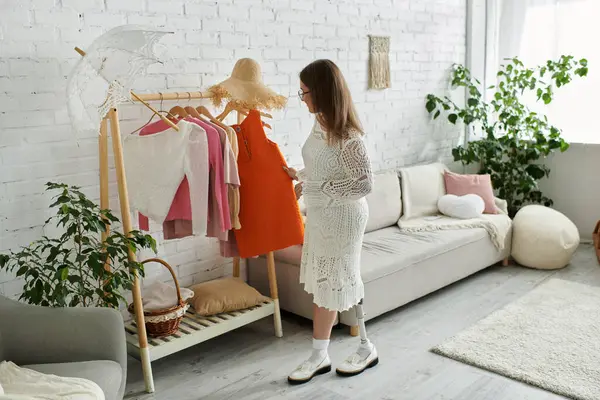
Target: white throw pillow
x=463 y=207
x=422 y=186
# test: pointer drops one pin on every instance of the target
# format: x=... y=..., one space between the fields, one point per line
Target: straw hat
x=246 y=89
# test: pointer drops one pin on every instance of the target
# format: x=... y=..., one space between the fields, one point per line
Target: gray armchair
x=76 y=342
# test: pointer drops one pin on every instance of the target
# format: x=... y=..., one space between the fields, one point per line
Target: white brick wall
x=36 y=53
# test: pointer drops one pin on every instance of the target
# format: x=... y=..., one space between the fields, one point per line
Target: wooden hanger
x=228 y=108
x=231 y=107
x=160 y=113
x=245 y=112
x=266 y=115
x=178 y=111
x=266 y=125
x=191 y=110
x=204 y=111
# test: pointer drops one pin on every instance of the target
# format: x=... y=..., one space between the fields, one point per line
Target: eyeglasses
x=301 y=94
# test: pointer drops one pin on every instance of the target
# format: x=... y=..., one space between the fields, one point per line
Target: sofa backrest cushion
x=385 y=201
x=422 y=186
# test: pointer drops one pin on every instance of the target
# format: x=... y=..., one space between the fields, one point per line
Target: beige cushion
x=422 y=186
x=385 y=201
x=543 y=238
x=224 y=295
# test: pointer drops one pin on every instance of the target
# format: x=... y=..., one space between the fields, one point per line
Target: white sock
x=365 y=348
x=319 y=352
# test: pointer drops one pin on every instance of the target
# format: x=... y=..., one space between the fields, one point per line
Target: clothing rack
x=173 y=96
x=193 y=329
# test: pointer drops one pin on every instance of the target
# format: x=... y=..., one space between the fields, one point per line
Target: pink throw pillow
x=480 y=185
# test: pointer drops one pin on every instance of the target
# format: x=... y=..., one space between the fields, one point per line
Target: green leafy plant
x=513 y=138
x=72 y=270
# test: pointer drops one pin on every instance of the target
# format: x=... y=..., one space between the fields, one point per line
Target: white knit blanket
x=159 y=296
x=18 y=383
x=496 y=225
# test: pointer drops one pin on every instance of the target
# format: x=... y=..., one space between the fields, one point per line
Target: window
x=539 y=30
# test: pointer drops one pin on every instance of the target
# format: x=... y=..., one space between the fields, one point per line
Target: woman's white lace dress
x=336 y=179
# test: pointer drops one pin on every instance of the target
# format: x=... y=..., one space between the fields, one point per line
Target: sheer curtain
x=539 y=30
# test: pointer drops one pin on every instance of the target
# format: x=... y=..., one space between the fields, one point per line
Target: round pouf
x=543 y=238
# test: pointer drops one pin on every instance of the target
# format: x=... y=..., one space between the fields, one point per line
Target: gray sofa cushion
x=385 y=201
x=389 y=250
x=405 y=282
x=107 y=374
x=291 y=255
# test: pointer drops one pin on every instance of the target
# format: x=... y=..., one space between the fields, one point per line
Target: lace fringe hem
x=333 y=300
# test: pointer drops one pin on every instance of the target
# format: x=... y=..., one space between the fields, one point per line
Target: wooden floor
x=252 y=364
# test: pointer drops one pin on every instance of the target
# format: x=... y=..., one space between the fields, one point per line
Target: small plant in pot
x=78 y=268
x=514 y=139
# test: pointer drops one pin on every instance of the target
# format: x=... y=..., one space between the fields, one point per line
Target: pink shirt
x=218 y=213
x=229 y=159
x=219 y=218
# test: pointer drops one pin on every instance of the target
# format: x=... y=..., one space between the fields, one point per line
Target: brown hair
x=332 y=100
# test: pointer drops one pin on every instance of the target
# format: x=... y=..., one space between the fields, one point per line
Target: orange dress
x=269 y=213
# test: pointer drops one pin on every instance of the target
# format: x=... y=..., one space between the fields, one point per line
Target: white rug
x=549 y=338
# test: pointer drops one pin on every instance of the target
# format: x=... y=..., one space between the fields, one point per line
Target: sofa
x=72 y=342
x=397 y=267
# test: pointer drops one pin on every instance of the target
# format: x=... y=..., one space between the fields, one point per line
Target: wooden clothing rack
x=194 y=328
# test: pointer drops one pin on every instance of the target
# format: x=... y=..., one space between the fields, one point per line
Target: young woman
x=336 y=178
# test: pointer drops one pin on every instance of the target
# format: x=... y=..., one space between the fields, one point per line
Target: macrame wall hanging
x=379 y=62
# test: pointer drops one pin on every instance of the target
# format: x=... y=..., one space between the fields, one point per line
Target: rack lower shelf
x=195 y=329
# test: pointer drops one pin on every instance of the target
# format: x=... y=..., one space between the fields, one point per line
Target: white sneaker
x=355 y=364
x=308 y=370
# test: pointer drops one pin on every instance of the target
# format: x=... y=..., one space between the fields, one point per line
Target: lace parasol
x=103 y=77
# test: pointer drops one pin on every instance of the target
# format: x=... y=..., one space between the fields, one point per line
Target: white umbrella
x=105 y=74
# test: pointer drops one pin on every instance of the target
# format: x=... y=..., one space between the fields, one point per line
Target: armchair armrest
x=501 y=204
x=39 y=335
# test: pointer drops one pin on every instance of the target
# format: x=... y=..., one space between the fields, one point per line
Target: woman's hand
x=292 y=173
x=298 y=190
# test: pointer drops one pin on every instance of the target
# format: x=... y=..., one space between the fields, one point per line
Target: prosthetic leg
x=360 y=316
x=366 y=355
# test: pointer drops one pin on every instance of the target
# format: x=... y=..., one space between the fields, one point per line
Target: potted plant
x=78 y=268
x=514 y=139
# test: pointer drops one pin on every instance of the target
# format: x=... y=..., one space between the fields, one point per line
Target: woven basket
x=163 y=322
x=596 y=237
